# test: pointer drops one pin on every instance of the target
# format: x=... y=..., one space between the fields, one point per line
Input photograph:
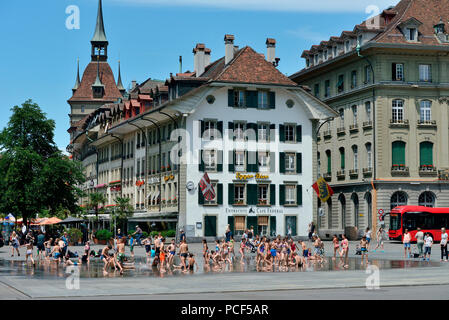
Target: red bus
x=413 y=217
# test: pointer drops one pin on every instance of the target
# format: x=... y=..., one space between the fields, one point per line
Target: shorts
x=40 y=247
x=407 y=245
x=147 y=248
x=363 y=250
x=47 y=251
x=121 y=257
x=29 y=252
x=131 y=248
x=305 y=253
x=57 y=255
x=427 y=250
x=153 y=253
x=317 y=251
x=368 y=240
x=184 y=255
x=273 y=252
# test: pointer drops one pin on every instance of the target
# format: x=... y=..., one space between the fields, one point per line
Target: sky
x=38 y=52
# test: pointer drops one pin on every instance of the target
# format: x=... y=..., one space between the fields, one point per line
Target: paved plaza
x=431 y=277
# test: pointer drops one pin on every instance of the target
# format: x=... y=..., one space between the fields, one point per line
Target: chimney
x=229 y=48
x=199 y=59
x=207 y=52
x=271 y=50
x=134 y=84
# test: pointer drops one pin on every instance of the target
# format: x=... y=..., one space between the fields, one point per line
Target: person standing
x=368 y=237
x=228 y=233
x=443 y=244
x=182 y=236
x=380 y=239
x=406 y=238
x=40 y=245
x=420 y=242
x=138 y=234
x=15 y=244
x=428 y=241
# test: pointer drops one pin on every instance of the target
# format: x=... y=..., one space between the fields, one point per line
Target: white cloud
x=272 y=5
x=307 y=33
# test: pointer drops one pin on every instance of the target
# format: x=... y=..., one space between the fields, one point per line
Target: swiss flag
x=207 y=188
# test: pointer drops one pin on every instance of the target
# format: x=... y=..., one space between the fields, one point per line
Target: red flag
x=207 y=188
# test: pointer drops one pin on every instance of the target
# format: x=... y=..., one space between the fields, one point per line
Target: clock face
x=190 y=186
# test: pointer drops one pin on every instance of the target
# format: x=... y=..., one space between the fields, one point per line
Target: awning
x=71 y=220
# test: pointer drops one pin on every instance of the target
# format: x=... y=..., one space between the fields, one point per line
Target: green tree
x=96 y=198
x=34 y=175
x=123 y=210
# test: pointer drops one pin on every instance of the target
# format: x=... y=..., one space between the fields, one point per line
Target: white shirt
x=428 y=241
x=443 y=239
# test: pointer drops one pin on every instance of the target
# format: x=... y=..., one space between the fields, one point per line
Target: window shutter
x=231 y=130
x=299 y=195
x=281 y=194
x=272 y=132
x=201 y=162
x=200 y=196
x=231 y=161
x=272 y=99
x=299 y=163
x=298 y=133
x=251 y=195
x=220 y=193
x=272 y=162
x=398 y=153
x=251 y=99
x=251 y=222
x=272 y=194
x=231 y=193
x=281 y=133
x=281 y=162
x=220 y=160
x=251 y=161
x=230 y=98
x=273 y=226
x=393 y=72
x=231 y=223
x=220 y=127
x=426 y=154
x=202 y=129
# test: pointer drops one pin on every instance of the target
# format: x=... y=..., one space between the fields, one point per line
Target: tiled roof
x=84 y=92
x=248 y=66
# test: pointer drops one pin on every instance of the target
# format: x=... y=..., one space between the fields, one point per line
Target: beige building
x=389 y=81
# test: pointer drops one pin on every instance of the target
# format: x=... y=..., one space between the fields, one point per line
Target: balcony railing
x=367 y=171
x=327 y=134
x=399 y=170
x=367 y=125
x=427 y=123
x=341 y=174
x=399 y=123
x=341 y=130
x=354 y=127
x=354 y=173
x=327 y=176
x=428 y=170
x=443 y=175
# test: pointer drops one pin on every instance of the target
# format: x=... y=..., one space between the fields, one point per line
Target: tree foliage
x=34 y=175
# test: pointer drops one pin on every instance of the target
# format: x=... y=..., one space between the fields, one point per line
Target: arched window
x=342 y=200
x=329 y=161
x=355 y=152
x=426 y=199
x=398 y=198
x=398 y=111
x=398 y=153
x=369 y=157
x=355 y=203
x=368 y=202
x=425 y=110
x=354 y=114
x=426 y=155
x=342 y=158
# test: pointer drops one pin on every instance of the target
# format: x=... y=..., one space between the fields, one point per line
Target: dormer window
x=347 y=45
x=334 y=49
x=307 y=63
x=316 y=59
x=439 y=28
x=411 y=34
x=325 y=55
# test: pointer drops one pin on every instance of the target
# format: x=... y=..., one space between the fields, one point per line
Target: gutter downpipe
x=179 y=174
x=374 y=198
x=144 y=136
x=160 y=158
x=318 y=223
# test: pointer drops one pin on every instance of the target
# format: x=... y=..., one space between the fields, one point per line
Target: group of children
x=280 y=253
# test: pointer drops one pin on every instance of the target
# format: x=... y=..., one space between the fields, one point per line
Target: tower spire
x=99 y=41
x=78 y=82
x=119 y=81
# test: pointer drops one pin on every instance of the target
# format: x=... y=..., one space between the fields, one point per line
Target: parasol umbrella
x=49 y=221
x=71 y=220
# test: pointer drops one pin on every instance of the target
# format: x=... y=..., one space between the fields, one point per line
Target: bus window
x=441 y=221
x=395 y=222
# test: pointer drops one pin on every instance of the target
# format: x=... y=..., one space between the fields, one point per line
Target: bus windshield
x=424 y=220
x=395 y=222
